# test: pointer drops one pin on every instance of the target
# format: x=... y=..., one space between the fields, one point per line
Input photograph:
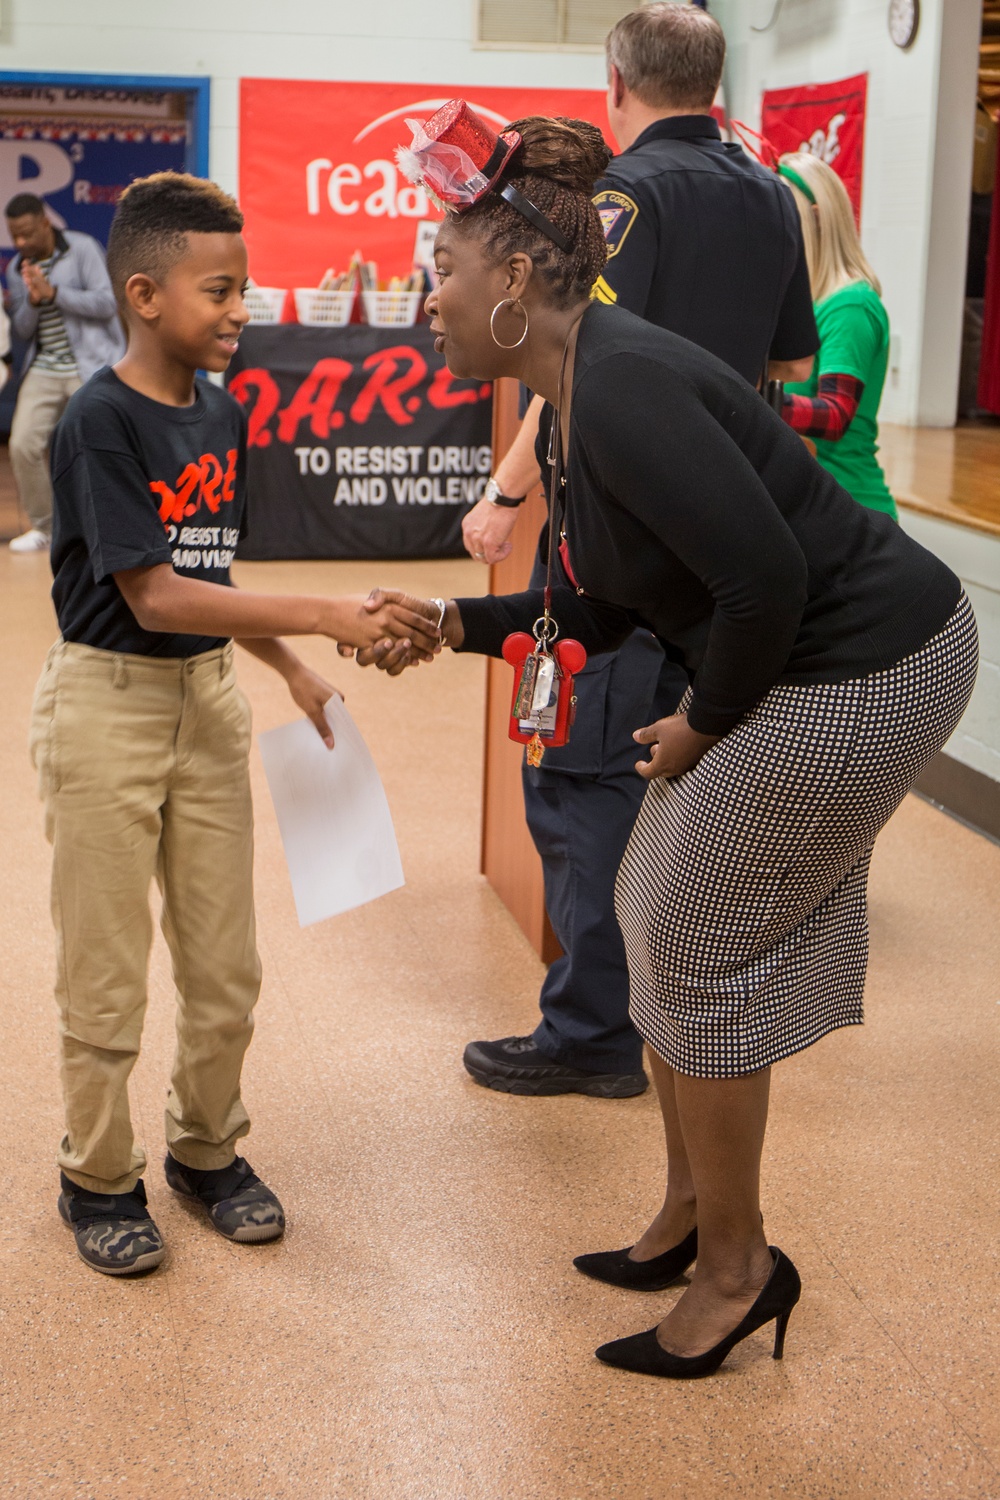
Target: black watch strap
x=493 y=495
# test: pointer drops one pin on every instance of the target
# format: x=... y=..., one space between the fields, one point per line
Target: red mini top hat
x=458 y=159
x=456 y=156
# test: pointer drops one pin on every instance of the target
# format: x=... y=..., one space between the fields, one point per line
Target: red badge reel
x=543 y=703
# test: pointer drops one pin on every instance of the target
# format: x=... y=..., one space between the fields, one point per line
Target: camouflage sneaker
x=114 y=1233
x=239 y=1205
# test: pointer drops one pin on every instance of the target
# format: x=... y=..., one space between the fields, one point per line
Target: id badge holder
x=543 y=703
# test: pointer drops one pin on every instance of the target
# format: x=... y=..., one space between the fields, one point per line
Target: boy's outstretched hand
x=392 y=653
x=403 y=620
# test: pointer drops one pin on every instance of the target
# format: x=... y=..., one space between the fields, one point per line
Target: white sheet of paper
x=335 y=823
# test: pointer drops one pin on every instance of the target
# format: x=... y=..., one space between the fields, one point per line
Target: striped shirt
x=55 y=353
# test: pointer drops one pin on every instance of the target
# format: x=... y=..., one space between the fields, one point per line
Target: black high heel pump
x=617 y=1268
x=644 y=1354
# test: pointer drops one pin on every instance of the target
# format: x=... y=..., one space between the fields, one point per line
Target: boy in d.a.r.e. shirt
x=140 y=484
x=140 y=734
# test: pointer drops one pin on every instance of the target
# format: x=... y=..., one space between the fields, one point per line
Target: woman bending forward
x=830 y=657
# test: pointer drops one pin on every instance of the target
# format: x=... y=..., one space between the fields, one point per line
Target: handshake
x=401 y=631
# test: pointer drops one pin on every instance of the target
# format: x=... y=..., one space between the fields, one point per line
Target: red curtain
x=989 y=366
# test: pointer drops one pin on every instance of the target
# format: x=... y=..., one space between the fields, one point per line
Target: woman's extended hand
x=677 y=747
x=395 y=655
x=389 y=656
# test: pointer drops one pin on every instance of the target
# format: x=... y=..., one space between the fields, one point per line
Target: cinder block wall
x=380 y=40
x=917 y=160
x=975 y=557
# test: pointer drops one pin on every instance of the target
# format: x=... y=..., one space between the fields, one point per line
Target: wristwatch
x=493 y=494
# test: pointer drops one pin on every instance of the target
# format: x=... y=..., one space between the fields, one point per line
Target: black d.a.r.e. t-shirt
x=137 y=483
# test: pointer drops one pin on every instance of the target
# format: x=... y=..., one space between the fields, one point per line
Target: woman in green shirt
x=838 y=406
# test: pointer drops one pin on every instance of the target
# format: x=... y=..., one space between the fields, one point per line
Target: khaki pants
x=142 y=765
x=41 y=401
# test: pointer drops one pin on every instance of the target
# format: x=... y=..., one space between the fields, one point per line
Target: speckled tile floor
x=420 y=1332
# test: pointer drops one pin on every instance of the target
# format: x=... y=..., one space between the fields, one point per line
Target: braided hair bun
x=572 y=153
x=556 y=166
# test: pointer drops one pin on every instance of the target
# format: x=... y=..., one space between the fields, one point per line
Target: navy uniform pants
x=581 y=805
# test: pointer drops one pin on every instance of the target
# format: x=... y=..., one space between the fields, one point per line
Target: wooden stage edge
x=947 y=472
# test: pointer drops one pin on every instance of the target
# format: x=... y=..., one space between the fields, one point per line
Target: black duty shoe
x=113 y=1231
x=239 y=1206
x=514 y=1065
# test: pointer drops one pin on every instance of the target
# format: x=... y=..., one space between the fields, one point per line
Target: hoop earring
x=509 y=302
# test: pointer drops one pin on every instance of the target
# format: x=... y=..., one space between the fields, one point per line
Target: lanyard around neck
x=556 y=461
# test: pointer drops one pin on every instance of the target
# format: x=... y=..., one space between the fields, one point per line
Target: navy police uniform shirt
x=706 y=242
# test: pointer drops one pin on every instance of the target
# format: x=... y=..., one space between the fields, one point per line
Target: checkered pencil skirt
x=742 y=895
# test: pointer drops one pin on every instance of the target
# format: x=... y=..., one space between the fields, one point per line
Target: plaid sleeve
x=829 y=413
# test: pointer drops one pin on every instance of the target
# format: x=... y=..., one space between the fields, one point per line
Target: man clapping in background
x=62 y=305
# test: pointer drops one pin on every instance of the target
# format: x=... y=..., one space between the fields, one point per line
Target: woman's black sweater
x=694 y=511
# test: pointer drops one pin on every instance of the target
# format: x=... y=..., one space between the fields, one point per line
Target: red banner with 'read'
x=826 y=119
x=318 y=177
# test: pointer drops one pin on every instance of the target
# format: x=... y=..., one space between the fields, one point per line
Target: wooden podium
x=508 y=857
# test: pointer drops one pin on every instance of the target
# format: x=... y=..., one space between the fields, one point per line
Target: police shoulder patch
x=617 y=213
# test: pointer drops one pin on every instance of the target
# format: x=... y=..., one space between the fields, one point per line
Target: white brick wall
x=916 y=197
x=975 y=557
x=382 y=40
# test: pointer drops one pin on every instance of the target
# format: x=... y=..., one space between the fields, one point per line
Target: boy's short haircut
x=23 y=204
x=153 y=219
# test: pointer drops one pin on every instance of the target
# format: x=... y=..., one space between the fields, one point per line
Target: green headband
x=798 y=180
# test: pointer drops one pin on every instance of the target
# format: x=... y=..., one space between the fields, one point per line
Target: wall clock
x=904 y=19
